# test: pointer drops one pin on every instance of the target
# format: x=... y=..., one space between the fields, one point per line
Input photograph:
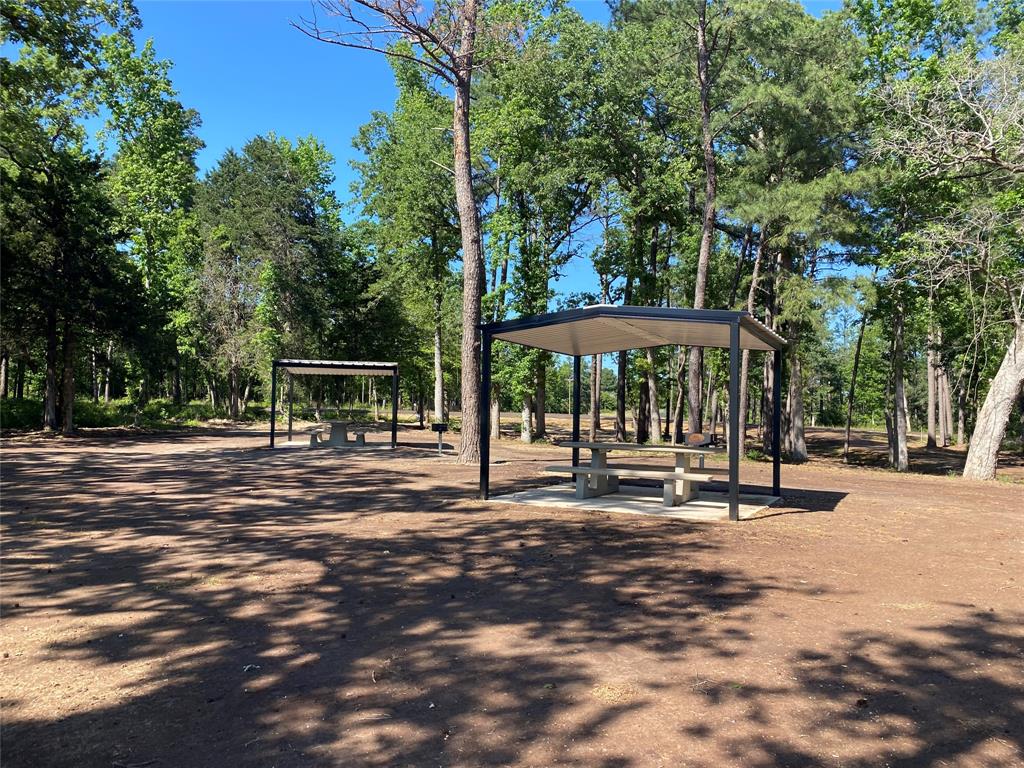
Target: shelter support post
x=576 y=408
x=394 y=409
x=776 y=423
x=734 y=421
x=291 y=398
x=273 y=401
x=485 y=415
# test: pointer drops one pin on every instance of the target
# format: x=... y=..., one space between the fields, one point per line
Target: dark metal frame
x=317 y=367
x=735 y=320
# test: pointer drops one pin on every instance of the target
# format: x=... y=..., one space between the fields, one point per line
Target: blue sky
x=248 y=73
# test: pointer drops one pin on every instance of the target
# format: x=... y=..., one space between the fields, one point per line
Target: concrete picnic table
x=338 y=436
x=598 y=478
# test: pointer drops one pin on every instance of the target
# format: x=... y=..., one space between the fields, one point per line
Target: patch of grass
x=156 y=414
x=20 y=414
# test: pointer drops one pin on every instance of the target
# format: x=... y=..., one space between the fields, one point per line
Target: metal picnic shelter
x=331 y=368
x=603 y=328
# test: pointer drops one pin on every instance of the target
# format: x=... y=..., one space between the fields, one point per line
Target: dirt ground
x=195 y=599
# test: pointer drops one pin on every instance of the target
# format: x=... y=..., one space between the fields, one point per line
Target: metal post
x=776 y=423
x=273 y=400
x=576 y=393
x=394 y=409
x=291 y=394
x=734 y=421
x=485 y=414
x=666 y=433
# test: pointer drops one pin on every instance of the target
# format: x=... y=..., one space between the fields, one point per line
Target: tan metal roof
x=605 y=328
x=337 y=367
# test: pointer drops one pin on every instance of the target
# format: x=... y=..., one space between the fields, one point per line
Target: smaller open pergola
x=331 y=368
x=603 y=328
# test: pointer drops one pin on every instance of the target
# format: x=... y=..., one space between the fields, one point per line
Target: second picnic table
x=599 y=479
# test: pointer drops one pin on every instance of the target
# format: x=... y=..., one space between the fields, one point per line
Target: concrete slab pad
x=640 y=500
x=304 y=443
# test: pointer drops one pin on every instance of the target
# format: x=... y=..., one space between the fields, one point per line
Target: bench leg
x=669 y=495
x=314 y=440
x=585 y=489
x=684 y=488
x=360 y=440
x=599 y=460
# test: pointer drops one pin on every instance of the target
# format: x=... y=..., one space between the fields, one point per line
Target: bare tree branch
x=968 y=123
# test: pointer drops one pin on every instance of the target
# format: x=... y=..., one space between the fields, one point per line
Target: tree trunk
x=990 y=427
x=540 y=399
x=709 y=392
x=741 y=261
x=744 y=404
x=704 y=81
x=768 y=379
x=900 y=458
x=643 y=416
x=796 y=445
x=108 y=371
x=4 y=362
x=495 y=412
x=666 y=434
x=233 y=393
x=499 y=302
x=176 y=380
x=526 y=425
x=961 y=417
x=439 y=414
x=50 y=421
x=595 y=397
x=930 y=420
x=679 y=413
x=652 y=386
x=947 y=409
x=853 y=386
x=906 y=412
x=472 y=249
x=68 y=419
x=94 y=370
x=19 y=378
x=1020 y=430
x=620 y=398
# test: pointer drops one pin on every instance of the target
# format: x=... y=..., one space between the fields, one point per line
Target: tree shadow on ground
x=269 y=619
x=949 y=696
x=396 y=647
x=869 y=449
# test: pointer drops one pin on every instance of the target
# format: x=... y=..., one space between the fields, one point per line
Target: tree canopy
x=854 y=180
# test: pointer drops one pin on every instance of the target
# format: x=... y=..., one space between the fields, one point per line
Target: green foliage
x=868 y=165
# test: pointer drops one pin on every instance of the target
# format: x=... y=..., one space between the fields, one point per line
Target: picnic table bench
x=338 y=436
x=599 y=478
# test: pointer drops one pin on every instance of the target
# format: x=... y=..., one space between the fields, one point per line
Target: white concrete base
x=641 y=500
x=353 y=447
